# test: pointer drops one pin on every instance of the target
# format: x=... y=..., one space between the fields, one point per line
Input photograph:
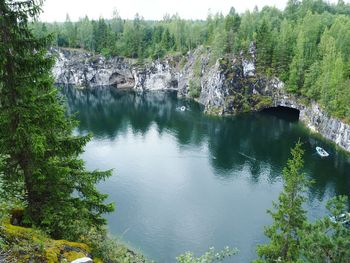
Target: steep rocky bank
x=74 y=67
x=227 y=85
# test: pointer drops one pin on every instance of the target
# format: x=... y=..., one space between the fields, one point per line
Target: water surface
x=185 y=181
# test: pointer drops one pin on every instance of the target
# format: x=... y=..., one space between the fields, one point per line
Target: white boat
x=321 y=152
x=343 y=219
x=182 y=108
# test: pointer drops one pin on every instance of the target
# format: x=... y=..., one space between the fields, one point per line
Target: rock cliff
x=227 y=85
x=74 y=67
x=318 y=120
x=159 y=75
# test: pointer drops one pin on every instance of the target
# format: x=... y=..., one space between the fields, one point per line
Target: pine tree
x=264 y=46
x=296 y=80
x=39 y=151
x=283 y=50
x=289 y=216
x=326 y=240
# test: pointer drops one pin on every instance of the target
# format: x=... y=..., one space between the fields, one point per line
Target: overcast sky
x=56 y=10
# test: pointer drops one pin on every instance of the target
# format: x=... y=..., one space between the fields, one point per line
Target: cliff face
x=228 y=85
x=159 y=75
x=318 y=120
x=74 y=67
x=88 y=70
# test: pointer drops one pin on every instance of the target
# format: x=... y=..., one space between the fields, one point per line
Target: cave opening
x=286 y=113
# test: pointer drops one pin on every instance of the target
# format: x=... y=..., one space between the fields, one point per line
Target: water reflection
x=172 y=183
x=255 y=140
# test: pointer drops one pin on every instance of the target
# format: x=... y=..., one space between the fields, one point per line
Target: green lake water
x=186 y=181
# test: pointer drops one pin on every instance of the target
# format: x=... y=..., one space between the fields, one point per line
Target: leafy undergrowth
x=22 y=244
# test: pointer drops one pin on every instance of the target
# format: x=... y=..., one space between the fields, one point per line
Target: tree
x=327 y=240
x=85 y=33
x=331 y=79
x=70 y=31
x=297 y=66
x=289 y=216
x=208 y=257
x=37 y=145
x=283 y=50
x=100 y=35
x=291 y=9
x=264 y=47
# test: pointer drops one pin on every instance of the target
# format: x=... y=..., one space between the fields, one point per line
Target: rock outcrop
x=227 y=85
x=318 y=120
x=159 y=75
x=84 y=69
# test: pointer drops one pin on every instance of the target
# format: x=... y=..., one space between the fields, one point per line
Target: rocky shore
x=227 y=85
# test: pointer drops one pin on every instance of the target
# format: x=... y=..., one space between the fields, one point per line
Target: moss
x=262 y=102
x=12 y=231
x=31 y=244
x=73 y=255
x=56 y=249
x=214 y=111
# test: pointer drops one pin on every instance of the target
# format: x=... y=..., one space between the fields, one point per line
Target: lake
x=184 y=181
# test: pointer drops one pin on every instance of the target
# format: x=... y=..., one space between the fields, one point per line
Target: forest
x=307 y=45
x=46 y=192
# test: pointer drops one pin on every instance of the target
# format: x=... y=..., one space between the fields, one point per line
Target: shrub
x=194 y=87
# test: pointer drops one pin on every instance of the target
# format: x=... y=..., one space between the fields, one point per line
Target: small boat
x=343 y=219
x=321 y=152
x=182 y=108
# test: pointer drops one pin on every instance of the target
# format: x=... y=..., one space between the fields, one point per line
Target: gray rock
x=83 y=260
x=228 y=86
x=159 y=75
x=88 y=70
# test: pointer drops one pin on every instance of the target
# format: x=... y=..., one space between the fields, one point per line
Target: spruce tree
x=289 y=216
x=40 y=154
x=328 y=240
x=264 y=47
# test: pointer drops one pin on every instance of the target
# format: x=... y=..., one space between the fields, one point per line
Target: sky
x=56 y=10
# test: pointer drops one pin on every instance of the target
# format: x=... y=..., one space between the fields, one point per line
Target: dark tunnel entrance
x=286 y=113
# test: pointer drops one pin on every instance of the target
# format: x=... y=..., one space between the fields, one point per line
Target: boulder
x=83 y=260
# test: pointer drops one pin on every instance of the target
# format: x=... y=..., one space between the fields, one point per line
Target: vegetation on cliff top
x=306 y=45
x=40 y=167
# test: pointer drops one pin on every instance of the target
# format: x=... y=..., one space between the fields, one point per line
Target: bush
x=109 y=249
x=208 y=257
x=194 y=87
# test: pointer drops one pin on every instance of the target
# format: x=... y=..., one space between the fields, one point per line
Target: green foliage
x=288 y=215
x=32 y=245
x=40 y=154
x=264 y=47
x=194 y=88
x=262 y=102
x=109 y=249
x=197 y=67
x=292 y=237
x=293 y=44
x=208 y=257
x=326 y=240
